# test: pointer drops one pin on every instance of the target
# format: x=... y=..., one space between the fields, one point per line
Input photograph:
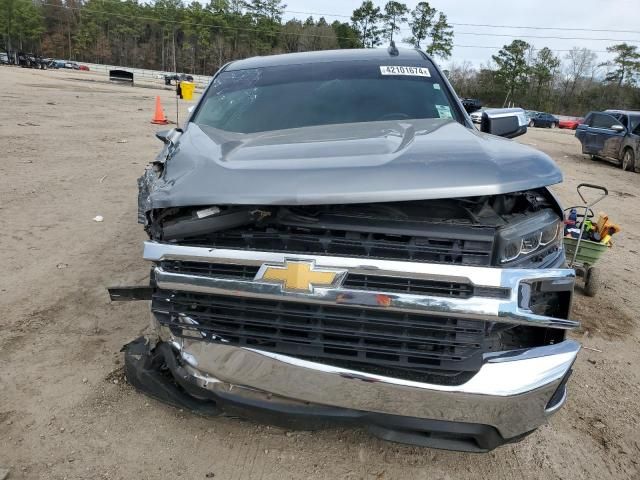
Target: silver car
x=476 y=117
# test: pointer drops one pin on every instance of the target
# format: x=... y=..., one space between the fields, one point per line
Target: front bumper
x=511 y=395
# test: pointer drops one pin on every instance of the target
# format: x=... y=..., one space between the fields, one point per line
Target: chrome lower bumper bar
x=511 y=308
x=511 y=392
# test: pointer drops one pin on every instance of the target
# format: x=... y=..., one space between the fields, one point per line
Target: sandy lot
x=72 y=148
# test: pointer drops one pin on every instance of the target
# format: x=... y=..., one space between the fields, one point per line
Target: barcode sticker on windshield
x=404 y=70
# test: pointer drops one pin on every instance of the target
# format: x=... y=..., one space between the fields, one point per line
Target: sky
x=612 y=16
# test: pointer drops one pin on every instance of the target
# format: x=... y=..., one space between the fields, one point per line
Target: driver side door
x=601 y=139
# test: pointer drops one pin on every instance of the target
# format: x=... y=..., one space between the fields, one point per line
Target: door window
x=602 y=120
x=589 y=120
x=623 y=119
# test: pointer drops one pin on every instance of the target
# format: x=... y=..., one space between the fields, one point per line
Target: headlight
x=539 y=232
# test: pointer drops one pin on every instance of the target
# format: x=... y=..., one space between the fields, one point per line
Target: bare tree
x=317 y=36
x=462 y=76
x=579 y=64
x=290 y=36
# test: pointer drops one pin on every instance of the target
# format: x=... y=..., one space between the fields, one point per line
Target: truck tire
x=628 y=162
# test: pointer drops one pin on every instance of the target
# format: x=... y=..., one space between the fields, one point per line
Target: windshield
x=292 y=96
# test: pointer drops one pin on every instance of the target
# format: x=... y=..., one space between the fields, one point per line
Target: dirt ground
x=72 y=147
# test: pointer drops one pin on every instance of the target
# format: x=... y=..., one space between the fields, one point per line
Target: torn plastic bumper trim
x=135 y=293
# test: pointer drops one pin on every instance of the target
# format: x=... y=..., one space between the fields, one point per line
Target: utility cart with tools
x=582 y=252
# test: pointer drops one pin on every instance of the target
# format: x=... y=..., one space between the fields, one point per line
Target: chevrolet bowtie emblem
x=299 y=275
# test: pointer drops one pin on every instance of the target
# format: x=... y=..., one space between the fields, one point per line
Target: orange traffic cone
x=159 y=117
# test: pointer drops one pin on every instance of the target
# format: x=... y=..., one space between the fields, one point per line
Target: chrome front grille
x=423 y=321
x=213 y=270
x=463 y=248
x=370 y=282
x=396 y=344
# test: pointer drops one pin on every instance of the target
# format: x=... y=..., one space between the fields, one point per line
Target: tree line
x=171 y=35
x=572 y=84
x=195 y=38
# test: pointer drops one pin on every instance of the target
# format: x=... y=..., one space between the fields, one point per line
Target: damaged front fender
x=148 y=182
x=145 y=187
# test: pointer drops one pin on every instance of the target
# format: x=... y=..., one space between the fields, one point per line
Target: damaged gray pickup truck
x=333 y=242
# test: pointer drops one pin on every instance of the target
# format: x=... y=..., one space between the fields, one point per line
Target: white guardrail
x=201 y=81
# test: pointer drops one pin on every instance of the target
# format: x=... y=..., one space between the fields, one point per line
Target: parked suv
x=541 y=119
x=613 y=135
x=332 y=240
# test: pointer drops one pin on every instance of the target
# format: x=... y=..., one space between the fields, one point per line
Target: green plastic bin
x=588 y=253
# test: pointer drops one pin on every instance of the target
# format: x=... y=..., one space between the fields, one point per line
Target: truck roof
x=404 y=55
x=625 y=112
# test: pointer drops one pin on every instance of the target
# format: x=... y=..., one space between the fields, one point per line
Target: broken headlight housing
x=538 y=234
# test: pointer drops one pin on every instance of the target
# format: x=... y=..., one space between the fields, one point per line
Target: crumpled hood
x=348 y=163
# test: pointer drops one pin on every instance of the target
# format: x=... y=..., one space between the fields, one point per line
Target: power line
x=573 y=29
x=240 y=29
x=484 y=34
x=545 y=28
x=480 y=34
x=499 y=48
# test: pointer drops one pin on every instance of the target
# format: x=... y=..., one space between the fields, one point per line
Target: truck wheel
x=592 y=282
x=553 y=125
x=531 y=123
x=628 y=161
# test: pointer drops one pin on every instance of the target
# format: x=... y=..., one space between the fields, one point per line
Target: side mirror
x=617 y=128
x=504 y=122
